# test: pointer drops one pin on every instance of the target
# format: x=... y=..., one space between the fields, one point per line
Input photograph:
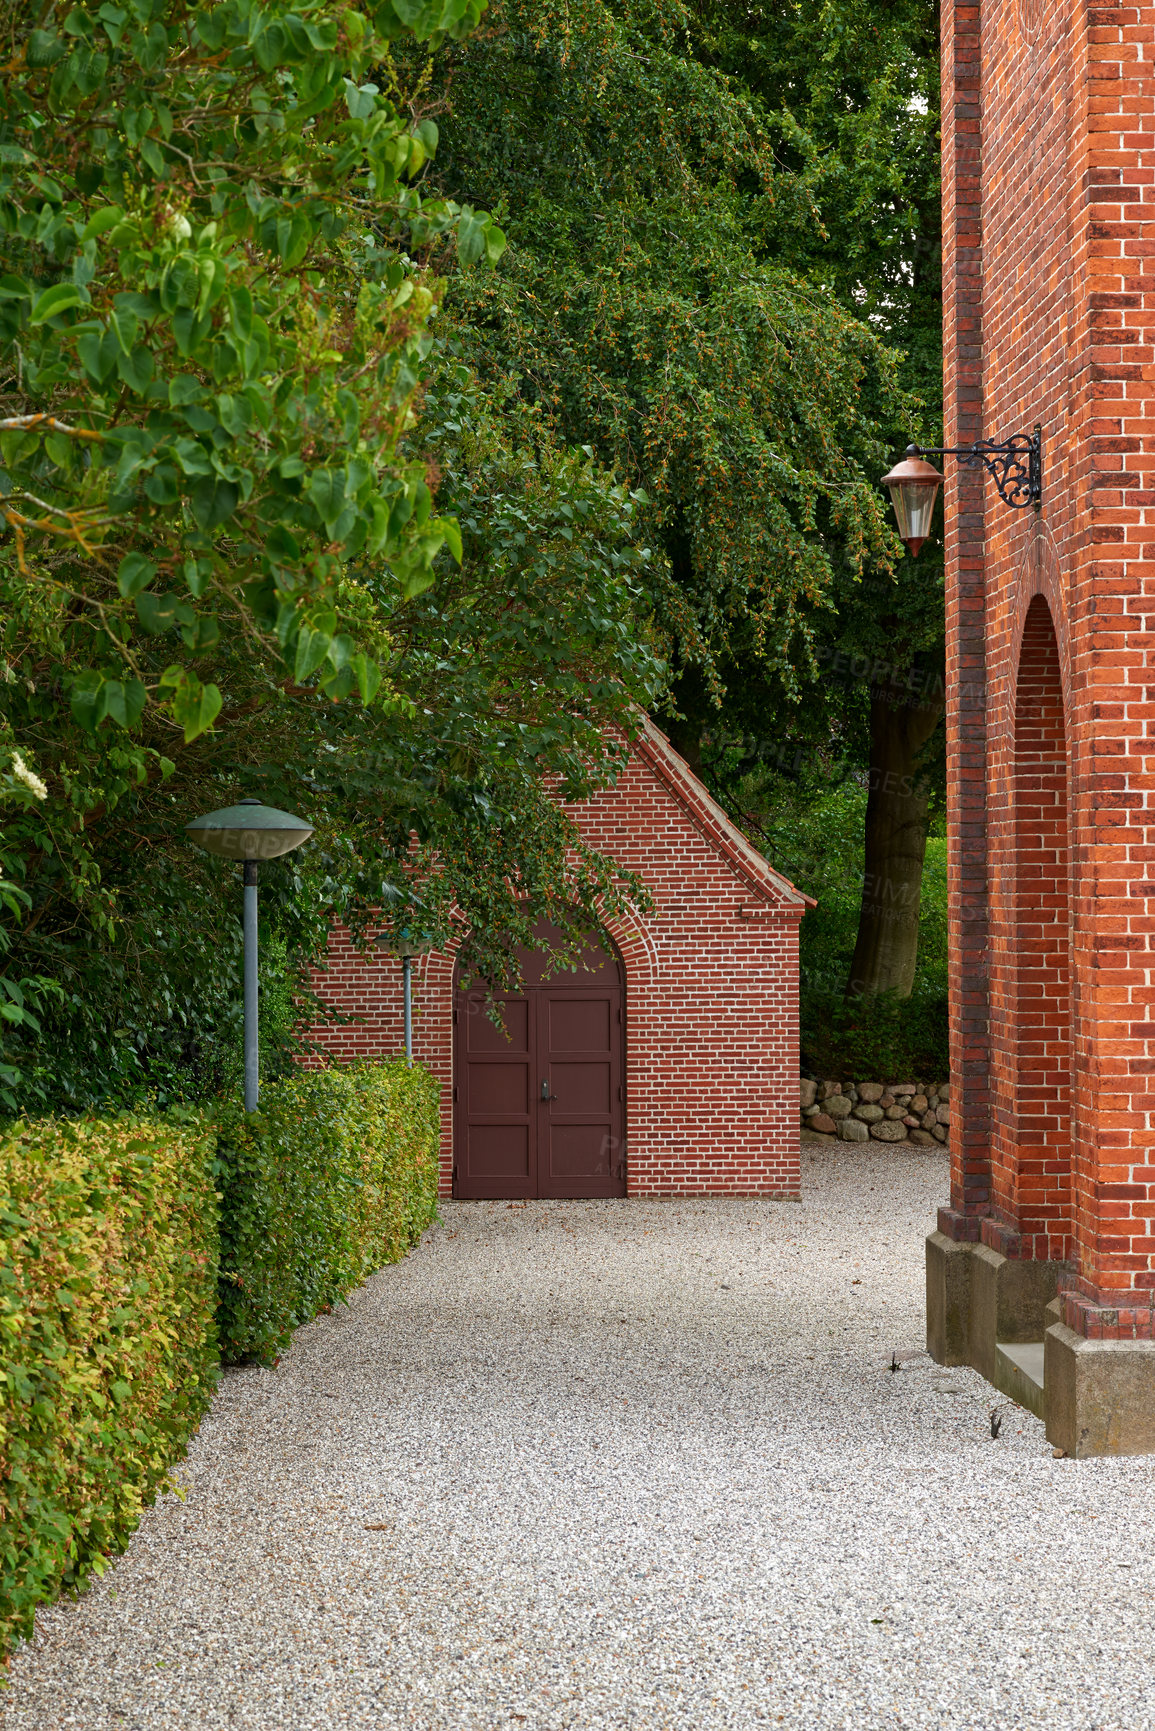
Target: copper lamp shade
x=913 y=486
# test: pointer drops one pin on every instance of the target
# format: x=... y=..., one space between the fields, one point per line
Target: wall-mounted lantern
x=1016 y=464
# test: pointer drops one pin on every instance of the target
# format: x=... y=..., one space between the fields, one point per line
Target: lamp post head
x=404 y=942
x=913 y=485
x=249 y=831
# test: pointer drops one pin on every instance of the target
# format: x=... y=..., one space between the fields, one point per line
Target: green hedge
x=135 y=1249
x=334 y=1176
x=108 y=1345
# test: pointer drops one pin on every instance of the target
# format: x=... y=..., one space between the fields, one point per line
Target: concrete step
x=1019 y=1372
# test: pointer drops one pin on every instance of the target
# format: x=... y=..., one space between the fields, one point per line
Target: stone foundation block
x=948 y=1299
x=1100 y=1394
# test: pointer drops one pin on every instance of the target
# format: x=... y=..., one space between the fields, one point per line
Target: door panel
x=580 y=1154
x=480 y=1034
x=580 y=1087
x=501 y=1089
x=495 y=1118
x=578 y=1024
x=539 y=1108
x=500 y=1159
x=580 y=1133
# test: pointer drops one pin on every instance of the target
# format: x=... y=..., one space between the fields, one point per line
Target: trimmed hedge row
x=108 y=1344
x=139 y=1252
x=335 y=1176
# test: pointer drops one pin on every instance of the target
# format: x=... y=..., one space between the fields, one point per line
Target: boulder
x=886 y=1100
x=852 y=1130
x=822 y=1123
x=923 y=1139
x=939 y=1133
x=837 y=1105
x=807 y=1091
x=888 y=1131
x=870 y=1114
x=898 y=1088
x=897 y=1114
x=826 y=1089
x=911 y=1122
x=929 y=1120
x=919 y=1104
x=944 y=1091
x=870 y=1091
x=942 y=1113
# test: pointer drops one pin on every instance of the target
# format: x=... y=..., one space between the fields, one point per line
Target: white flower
x=22 y=773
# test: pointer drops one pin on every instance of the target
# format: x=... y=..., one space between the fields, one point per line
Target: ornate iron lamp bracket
x=1016 y=464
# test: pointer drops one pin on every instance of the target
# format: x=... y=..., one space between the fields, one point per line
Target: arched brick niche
x=1033 y=1181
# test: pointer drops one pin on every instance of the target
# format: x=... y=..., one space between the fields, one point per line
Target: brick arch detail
x=1040 y=574
x=1032 y=1177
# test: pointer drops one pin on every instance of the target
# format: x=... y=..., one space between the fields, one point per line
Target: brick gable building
x=669 y=1066
x=1045 y=1258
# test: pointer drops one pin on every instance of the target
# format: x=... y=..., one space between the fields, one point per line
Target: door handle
x=545 y=1093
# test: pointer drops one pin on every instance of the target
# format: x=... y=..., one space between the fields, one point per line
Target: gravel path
x=625 y=1465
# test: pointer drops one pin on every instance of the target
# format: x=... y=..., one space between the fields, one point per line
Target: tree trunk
x=901 y=723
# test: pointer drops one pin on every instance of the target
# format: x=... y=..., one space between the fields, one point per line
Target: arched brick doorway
x=539 y=1105
x=1041 y=1027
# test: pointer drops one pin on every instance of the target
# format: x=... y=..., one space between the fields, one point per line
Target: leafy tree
x=224 y=415
x=641 y=312
x=723 y=223
x=850 y=90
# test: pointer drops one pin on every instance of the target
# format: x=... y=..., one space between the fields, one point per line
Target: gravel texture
x=634 y=1464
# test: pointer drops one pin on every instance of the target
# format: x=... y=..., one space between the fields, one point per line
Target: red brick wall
x=711 y=997
x=1049 y=142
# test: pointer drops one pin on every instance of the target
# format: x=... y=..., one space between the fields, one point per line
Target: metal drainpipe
x=407 y=976
x=252 y=1056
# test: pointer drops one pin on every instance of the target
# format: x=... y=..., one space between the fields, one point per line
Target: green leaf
x=360 y=100
x=162 y=486
x=368 y=677
x=327 y=491
x=159 y=613
x=121 y=701
x=213 y=500
x=134 y=573
x=195 y=707
x=101 y=221
x=83 y=698
x=312 y=649
x=495 y=242
x=451 y=530
x=135 y=370
x=94 y=698
x=56 y=300
x=44 y=48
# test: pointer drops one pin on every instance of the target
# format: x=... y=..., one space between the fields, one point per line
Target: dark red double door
x=539 y=1108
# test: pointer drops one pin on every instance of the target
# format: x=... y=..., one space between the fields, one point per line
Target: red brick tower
x=1049 y=291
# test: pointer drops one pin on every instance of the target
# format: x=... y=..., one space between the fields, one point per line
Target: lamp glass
x=405 y=943
x=913 y=485
x=249 y=830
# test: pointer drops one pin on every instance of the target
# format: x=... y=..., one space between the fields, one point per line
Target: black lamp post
x=251 y=832
x=1016 y=464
